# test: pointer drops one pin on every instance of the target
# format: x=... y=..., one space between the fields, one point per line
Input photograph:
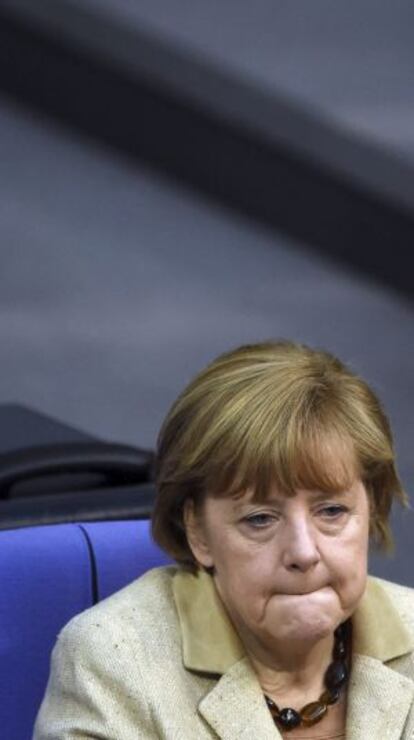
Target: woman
x=275 y=470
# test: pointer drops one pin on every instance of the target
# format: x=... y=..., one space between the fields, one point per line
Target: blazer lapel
x=380 y=697
x=235 y=707
x=379 y=701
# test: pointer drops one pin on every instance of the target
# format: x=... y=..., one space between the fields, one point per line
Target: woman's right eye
x=259 y=520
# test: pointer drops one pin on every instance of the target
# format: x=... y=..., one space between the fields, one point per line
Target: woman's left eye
x=333 y=512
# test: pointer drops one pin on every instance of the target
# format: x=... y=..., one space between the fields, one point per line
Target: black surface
x=280 y=188
x=128 y=502
x=70 y=476
x=116 y=463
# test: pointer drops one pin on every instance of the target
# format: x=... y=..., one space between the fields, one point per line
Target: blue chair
x=47 y=575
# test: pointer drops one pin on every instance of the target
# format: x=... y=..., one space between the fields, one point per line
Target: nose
x=300 y=550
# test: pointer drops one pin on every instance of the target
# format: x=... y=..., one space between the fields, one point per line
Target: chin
x=314 y=632
x=308 y=619
x=307 y=626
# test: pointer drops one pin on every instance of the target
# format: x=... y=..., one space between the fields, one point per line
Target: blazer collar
x=210 y=642
x=379 y=697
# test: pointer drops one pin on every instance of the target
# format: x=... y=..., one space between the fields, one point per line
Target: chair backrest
x=47 y=575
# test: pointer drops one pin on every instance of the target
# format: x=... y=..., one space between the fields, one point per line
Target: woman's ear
x=196 y=534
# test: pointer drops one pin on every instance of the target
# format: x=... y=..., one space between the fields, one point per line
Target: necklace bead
x=330 y=696
x=339 y=652
x=313 y=712
x=336 y=675
x=289 y=718
x=335 y=678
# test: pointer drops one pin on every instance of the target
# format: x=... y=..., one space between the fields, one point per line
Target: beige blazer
x=160 y=659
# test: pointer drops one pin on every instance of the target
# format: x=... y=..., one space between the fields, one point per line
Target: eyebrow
x=323 y=495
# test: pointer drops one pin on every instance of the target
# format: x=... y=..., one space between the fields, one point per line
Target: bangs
x=318 y=458
x=275 y=414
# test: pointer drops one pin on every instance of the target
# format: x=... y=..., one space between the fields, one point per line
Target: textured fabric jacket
x=160 y=659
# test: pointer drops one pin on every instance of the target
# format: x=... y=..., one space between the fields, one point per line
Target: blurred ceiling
x=298 y=116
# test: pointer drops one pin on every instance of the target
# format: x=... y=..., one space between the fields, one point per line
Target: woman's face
x=290 y=568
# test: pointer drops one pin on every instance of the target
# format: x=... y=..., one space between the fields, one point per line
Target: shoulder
x=106 y=661
x=127 y=618
x=149 y=592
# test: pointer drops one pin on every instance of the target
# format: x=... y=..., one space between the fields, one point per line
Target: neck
x=291 y=671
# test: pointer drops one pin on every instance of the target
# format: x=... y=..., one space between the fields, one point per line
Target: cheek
x=349 y=570
x=243 y=579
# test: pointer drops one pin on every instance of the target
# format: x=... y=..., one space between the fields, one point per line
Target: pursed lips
x=304 y=592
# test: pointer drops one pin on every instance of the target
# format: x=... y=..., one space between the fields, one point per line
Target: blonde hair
x=273 y=413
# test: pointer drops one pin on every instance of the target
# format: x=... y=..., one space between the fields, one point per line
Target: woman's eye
x=333 y=512
x=258 y=520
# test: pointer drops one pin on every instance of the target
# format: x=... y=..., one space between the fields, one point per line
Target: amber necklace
x=335 y=679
